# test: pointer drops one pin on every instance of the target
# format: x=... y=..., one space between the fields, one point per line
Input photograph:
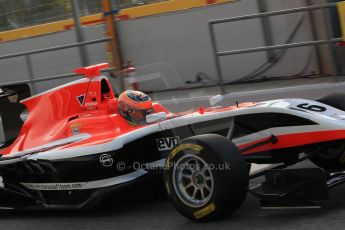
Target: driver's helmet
x=134 y=106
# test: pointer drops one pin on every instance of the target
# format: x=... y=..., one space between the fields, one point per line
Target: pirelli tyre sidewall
x=229 y=177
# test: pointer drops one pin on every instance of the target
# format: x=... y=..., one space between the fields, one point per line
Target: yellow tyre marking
x=205 y=211
x=182 y=147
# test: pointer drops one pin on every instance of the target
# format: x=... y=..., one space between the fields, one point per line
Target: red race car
x=78 y=143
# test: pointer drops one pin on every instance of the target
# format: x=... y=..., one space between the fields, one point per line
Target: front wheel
x=206 y=177
x=330 y=156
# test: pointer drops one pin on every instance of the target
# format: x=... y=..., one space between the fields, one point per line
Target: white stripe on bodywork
x=58 y=143
x=327 y=122
x=259 y=168
x=85 y=185
x=95 y=184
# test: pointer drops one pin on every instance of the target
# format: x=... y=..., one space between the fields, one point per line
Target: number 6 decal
x=314 y=108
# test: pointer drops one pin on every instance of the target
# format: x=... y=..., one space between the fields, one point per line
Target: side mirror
x=155 y=117
x=216 y=100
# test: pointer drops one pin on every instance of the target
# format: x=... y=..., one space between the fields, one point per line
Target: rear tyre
x=206 y=177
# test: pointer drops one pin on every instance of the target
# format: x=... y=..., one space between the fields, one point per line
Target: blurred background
x=22 y=13
x=178 y=48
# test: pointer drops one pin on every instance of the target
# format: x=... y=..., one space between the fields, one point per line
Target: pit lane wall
x=182 y=39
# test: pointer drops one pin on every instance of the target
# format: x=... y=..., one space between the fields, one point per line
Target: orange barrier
x=126 y=14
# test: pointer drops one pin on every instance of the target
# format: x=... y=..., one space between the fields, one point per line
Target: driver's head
x=134 y=106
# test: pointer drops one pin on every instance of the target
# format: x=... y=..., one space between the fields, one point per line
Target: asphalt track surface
x=145 y=212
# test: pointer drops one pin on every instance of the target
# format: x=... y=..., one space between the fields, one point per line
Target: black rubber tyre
x=223 y=182
x=331 y=155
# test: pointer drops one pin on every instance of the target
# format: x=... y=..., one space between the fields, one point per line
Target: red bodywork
x=80 y=107
x=64 y=112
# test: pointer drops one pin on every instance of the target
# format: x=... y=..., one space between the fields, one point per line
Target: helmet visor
x=137 y=116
